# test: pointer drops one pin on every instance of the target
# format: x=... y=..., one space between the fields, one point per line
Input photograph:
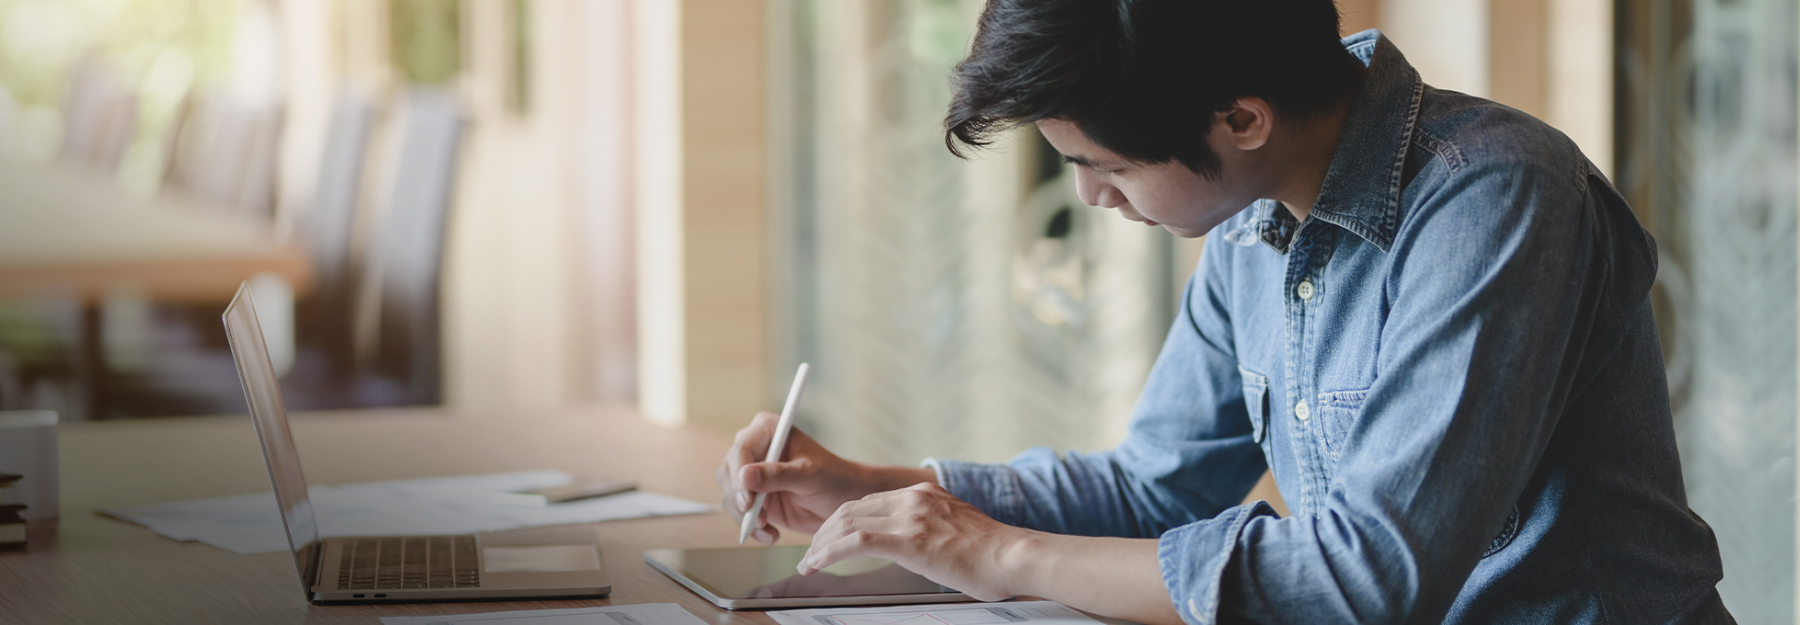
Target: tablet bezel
x=663 y=560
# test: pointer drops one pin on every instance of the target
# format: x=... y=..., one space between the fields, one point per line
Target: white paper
x=1003 y=613
x=449 y=505
x=640 y=614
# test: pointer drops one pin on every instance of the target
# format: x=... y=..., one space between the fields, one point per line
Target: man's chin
x=1184 y=232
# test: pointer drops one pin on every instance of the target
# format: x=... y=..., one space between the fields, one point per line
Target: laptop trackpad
x=540 y=558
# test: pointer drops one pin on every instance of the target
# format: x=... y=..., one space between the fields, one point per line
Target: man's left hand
x=928 y=531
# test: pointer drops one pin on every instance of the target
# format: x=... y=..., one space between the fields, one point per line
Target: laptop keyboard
x=409 y=562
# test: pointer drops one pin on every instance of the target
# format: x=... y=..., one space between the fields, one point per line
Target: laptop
x=545 y=562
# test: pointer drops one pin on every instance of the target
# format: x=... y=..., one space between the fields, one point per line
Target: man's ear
x=1247 y=123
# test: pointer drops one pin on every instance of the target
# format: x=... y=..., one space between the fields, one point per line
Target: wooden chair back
x=398 y=311
x=99 y=118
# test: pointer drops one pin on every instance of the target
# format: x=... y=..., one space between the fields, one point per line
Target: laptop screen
x=263 y=392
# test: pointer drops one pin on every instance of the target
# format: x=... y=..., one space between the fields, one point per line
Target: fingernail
x=762 y=536
x=743 y=500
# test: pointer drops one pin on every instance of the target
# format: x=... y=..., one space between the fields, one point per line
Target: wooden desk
x=66 y=233
x=96 y=570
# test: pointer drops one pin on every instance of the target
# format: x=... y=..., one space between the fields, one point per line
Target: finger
x=743 y=448
x=888 y=503
x=851 y=517
x=915 y=491
x=927 y=487
x=752 y=442
x=850 y=510
x=767 y=535
x=798 y=475
x=865 y=540
x=888 y=495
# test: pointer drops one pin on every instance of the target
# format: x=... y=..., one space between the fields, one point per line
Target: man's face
x=1165 y=194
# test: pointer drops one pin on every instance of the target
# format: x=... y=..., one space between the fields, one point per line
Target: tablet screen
x=768 y=573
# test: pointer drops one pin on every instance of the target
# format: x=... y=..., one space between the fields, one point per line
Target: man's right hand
x=805 y=487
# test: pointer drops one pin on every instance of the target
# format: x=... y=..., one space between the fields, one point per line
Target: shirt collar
x=1362 y=188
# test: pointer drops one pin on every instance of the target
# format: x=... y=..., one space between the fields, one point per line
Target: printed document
x=1002 y=613
x=445 y=505
x=641 y=614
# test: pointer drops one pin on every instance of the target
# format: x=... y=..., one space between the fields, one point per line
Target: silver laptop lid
x=263 y=392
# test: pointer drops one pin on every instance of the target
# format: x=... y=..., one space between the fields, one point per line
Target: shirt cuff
x=1193 y=559
x=992 y=488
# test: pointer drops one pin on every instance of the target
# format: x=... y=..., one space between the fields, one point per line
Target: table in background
x=97 y=570
x=67 y=233
x=71 y=233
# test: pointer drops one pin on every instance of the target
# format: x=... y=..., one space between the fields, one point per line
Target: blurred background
x=527 y=204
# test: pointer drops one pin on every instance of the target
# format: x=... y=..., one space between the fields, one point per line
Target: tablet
x=757 y=578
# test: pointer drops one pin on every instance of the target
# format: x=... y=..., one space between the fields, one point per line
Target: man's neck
x=1314 y=146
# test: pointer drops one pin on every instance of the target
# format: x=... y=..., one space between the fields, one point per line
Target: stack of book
x=12 y=526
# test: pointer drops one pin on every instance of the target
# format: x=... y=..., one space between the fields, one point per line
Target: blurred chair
x=171 y=144
x=173 y=359
x=38 y=339
x=327 y=224
x=368 y=334
x=398 y=300
x=327 y=227
x=99 y=118
x=225 y=152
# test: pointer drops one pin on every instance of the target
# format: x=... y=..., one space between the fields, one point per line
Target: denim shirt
x=1450 y=366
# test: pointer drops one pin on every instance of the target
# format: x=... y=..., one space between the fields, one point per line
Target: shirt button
x=1301 y=411
x=1305 y=290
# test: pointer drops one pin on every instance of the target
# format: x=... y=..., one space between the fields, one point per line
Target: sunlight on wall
x=1445 y=39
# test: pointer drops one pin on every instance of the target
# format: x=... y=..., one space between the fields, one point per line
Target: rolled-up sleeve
x=1198 y=578
x=993 y=488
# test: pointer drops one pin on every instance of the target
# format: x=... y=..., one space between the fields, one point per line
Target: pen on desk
x=775 y=446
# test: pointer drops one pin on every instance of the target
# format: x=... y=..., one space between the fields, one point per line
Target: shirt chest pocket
x=1256 y=401
x=1337 y=413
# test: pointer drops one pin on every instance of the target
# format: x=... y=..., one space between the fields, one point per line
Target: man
x=1427 y=313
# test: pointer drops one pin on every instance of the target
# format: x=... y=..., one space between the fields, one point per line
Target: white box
x=28 y=448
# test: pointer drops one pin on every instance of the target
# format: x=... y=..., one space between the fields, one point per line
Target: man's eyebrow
x=1076 y=160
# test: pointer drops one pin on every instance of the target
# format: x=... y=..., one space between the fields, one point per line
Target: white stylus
x=775 y=447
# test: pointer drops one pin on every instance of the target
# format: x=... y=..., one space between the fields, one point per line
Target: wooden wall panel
x=1359 y=15
x=712 y=328
x=1518 y=53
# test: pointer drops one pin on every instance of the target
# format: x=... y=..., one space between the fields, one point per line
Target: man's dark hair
x=1144 y=78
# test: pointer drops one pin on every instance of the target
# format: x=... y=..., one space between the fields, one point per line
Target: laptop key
x=410 y=562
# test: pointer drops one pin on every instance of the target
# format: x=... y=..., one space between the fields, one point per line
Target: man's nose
x=1095 y=192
